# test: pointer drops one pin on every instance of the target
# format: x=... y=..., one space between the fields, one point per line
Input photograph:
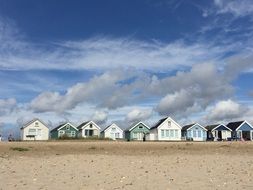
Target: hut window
x=194 y=133
x=162 y=133
x=90 y=125
x=172 y=133
x=36 y=124
x=167 y=133
x=176 y=133
x=169 y=123
x=140 y=127
x=199 y=133
x=32 y=132
x=116 y=135
x=67 y=128
x=73 y=133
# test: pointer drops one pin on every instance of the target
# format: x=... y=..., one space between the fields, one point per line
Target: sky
x=125 y=61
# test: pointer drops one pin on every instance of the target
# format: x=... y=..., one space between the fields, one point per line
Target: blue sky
x=121 y=61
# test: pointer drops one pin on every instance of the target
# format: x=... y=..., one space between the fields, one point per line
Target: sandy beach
x=126 y=165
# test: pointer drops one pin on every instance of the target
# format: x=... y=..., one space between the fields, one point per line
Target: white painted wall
x=156 y=134
x=152 y=136
x=165 y=126
x=111 y=131
x=225 y=134
x=41 y=131
x=95 y=128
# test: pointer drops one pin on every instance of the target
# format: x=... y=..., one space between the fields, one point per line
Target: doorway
x=138 y=136
x=246 y=135
x=89 y=132
x=39 y=135
x=219 y=135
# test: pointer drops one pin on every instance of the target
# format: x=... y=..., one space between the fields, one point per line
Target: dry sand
x=126 y=165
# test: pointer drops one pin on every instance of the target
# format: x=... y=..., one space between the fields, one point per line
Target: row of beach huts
x=165 y=129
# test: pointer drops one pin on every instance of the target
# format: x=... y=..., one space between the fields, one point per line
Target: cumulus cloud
x=238 y=64
x=174 y=103
x=226 y=110
x=100 y=117
x=138 y=115
x=184 y=93
x=195 y=90
x=107 y=90
x=7 y=105
x=192 y=90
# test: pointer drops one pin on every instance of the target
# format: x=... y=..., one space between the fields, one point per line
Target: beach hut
x=88 y=129
x=218 y=132
x=241 y=130
x=137 y=131
x=165 y=129
x=194 y=132
x=64 y=130
x=112 y=131
x=34 y=130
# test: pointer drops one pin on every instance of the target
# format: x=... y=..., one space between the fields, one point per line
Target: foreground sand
x=126 y=165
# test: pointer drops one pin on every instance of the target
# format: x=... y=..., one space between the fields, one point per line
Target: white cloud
x=173 y=103
x=100 y=53
x=138 y=115
x=185 y=93
x=7 y=105
x=105 y=90
x=192 y=91
x=227 y=110
x=100 y=117
x=235 y=7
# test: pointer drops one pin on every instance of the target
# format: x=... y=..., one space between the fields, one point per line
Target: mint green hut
x=137 y=132
x=65 y=129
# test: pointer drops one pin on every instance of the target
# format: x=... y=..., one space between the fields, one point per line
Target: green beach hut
x=65 y=129
x=137 y=131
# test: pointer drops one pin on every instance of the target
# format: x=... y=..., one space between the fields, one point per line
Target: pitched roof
x=30 y=122
x=61 y=125
x=188 y=126
x=135 y=125
x=234 y=125
x=211 y=127
x=82 y=124
x=56 y=128
x=110 y=126
x=106 y=128
x=159 y=123
x=131 y=126
x=85 y=123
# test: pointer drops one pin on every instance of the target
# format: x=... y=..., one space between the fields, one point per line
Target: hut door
x=219 y=135
x=140 y=136
x=39 y=134
x=239 y=134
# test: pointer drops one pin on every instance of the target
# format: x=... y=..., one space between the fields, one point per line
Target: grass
x=92 y=148
x=20 y=149
x=95 y=138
